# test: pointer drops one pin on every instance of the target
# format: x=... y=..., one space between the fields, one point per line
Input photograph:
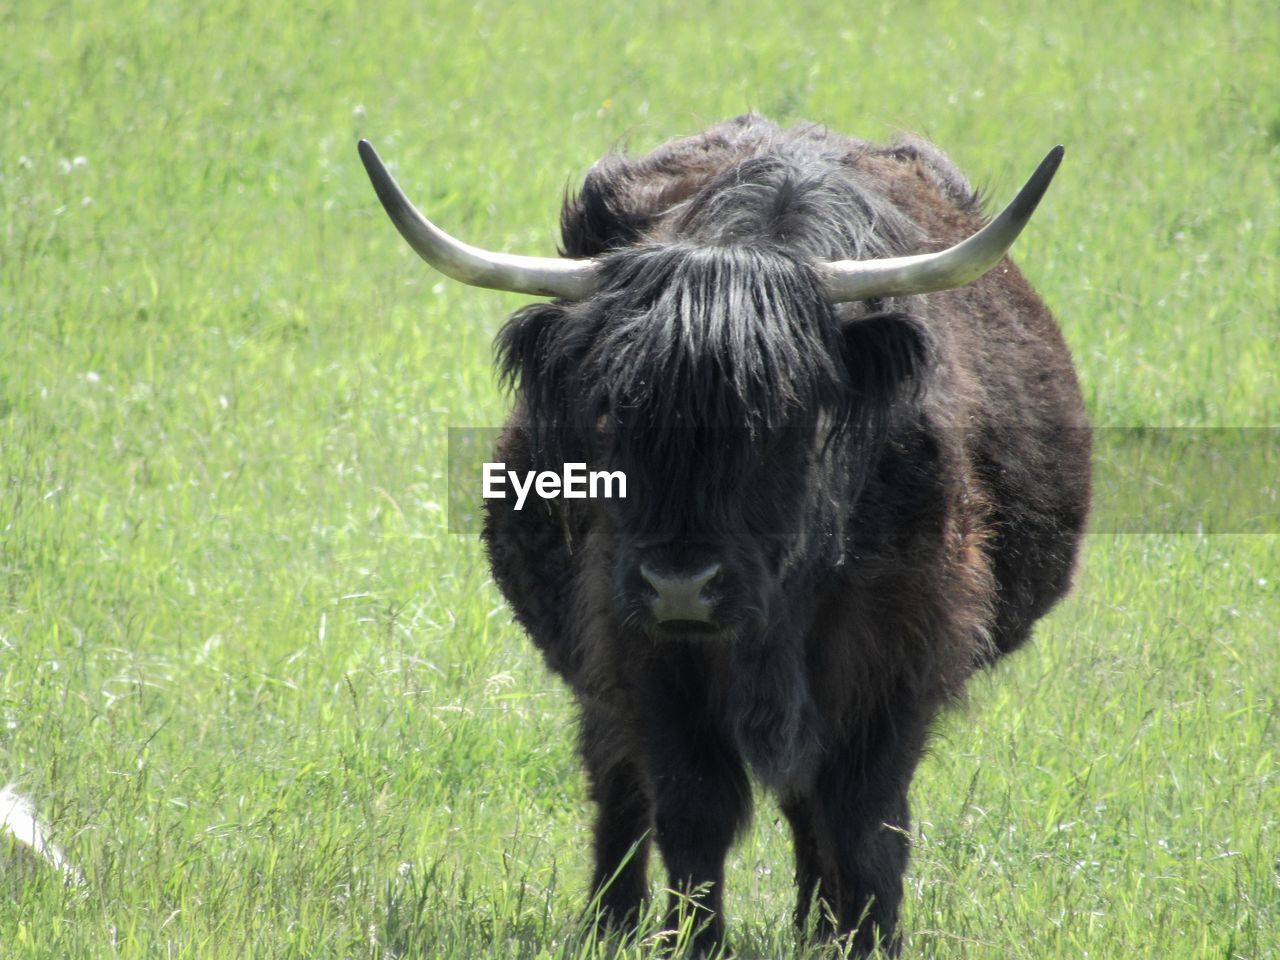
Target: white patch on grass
x=18 y=818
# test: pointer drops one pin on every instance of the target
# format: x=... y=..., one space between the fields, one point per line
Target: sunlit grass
x=270 y=707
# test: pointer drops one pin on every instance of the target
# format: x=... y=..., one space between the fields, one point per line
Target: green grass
x=272 y=708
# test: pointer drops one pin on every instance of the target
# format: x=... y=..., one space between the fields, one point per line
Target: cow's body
x=871 y=500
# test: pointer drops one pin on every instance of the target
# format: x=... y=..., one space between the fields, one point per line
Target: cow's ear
x=538 y=352
x=524 y=345
x=886 y=354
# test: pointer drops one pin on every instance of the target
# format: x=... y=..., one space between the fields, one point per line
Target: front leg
x=852 y=832
x=702 y=799
x=624 y=823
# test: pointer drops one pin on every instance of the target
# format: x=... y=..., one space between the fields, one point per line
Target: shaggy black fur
x=893 y=493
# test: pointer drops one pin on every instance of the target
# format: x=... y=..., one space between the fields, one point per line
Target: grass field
x=271 y=707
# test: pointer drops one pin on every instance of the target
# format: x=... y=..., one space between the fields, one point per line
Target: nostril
x=651 y=578
x=679 y=595
x=679 y=582
x=705 y=576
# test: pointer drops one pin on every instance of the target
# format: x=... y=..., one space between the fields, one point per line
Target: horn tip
x=369 y=156
x=372 y=163
x=1034 y=189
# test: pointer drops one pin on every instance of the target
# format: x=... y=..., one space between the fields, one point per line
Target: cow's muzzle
x=681 y=595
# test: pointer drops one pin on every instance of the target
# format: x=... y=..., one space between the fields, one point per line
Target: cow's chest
x=772 y=717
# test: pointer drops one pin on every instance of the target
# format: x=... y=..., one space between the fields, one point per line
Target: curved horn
x=845 y=280
x=540 y=276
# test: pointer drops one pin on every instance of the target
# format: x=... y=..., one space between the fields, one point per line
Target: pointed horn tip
x=1028 y=198
x=1052 y=159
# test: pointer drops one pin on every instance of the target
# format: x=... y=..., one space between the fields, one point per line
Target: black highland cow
x=856 y=474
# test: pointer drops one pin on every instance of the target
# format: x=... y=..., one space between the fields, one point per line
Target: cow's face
x=716 y=520
x=736 y=402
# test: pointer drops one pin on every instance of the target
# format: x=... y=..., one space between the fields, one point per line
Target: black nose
x=679 y=595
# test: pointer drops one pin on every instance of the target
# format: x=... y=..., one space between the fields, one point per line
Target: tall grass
x=271 y=707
